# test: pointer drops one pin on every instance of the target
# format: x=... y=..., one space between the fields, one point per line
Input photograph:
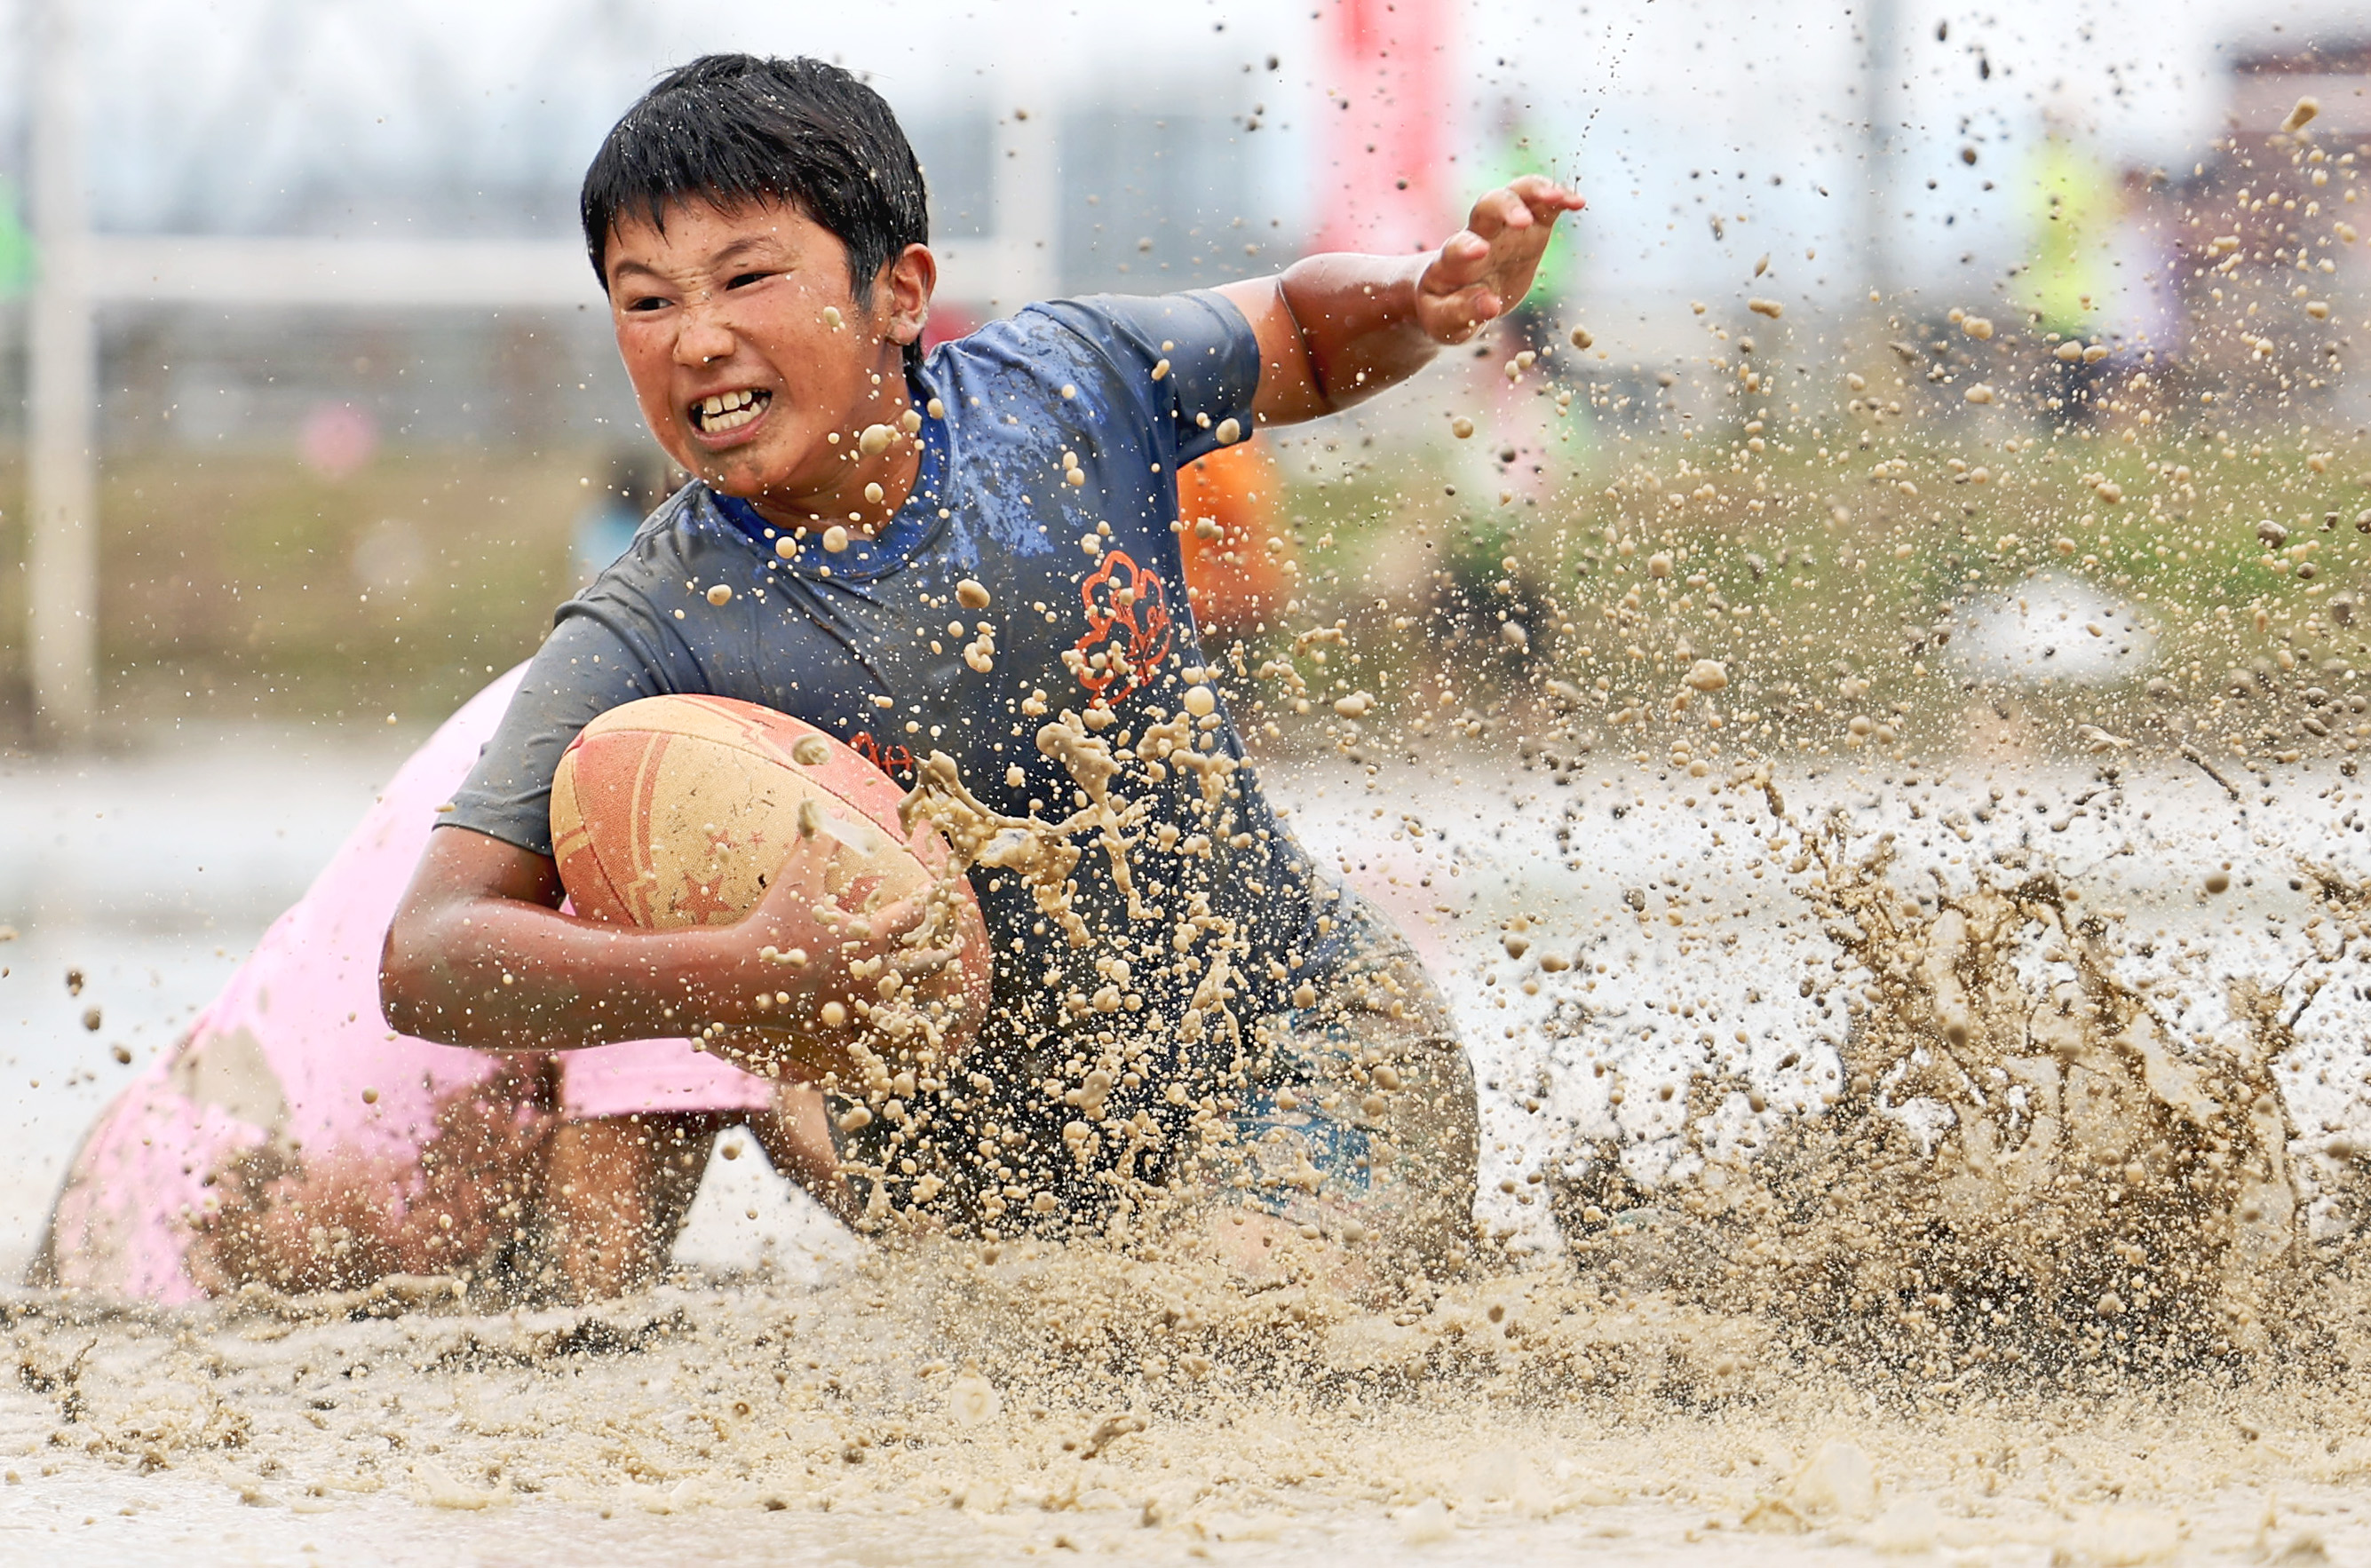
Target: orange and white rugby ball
x=677 y=810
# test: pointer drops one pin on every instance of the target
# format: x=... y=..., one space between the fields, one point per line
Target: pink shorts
x=292 y=1138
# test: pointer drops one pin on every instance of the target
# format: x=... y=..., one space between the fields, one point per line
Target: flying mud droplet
x=835 y=539
x=972 y=1400
x=1769 y=307
x=720 y=594
x=1462 y=428
x=1708 y=675
x=1980 y=393
x=2301 y=115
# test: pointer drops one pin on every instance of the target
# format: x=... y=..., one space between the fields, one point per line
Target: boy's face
x=751 y=308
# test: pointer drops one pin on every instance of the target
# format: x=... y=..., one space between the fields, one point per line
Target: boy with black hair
x=965 y=565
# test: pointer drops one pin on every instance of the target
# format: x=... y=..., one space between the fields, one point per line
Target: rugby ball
x=679 y=810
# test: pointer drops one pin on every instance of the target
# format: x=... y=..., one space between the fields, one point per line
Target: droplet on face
x=831 y=317
x=873 y=493
x=876 y=440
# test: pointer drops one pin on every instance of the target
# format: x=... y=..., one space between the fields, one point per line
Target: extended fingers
x=1497 y=213
x=1544 y=198
x=1464 y=259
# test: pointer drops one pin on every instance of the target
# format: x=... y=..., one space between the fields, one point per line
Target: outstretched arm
x=1334 y=331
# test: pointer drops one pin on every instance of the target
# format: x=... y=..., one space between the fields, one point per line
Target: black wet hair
x=737 y=129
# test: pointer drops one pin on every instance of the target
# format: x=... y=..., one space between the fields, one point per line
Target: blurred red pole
x=1383 y=185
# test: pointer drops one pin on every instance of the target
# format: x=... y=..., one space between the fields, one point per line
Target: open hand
x=1485 y=270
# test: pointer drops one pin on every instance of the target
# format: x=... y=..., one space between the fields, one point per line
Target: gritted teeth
x=723 y=412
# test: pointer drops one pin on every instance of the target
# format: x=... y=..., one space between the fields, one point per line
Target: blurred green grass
x=1850 y=541
x=244 y=586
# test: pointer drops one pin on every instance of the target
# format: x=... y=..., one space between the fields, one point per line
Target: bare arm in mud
x=1334 y=330
x=480 y=955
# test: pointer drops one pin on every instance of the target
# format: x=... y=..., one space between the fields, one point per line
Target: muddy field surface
x=1797 y=1271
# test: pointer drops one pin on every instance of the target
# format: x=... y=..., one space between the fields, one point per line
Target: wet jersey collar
x=917 y=523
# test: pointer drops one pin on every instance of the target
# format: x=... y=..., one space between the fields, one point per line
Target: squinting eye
x=745 y=278
x=647 y=302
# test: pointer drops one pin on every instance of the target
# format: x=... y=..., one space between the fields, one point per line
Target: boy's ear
x=903 y=293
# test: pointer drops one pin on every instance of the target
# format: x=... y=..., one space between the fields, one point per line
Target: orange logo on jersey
x=890 y=759
x=1128 y=627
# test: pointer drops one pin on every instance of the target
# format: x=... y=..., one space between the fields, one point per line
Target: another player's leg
x=796 y=1136
x=1360 y=1130
x=615 y=1192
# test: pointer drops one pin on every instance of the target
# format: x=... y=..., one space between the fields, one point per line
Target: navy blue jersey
x=1047 y=475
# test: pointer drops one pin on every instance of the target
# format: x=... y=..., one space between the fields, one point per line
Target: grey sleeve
x=590 y=663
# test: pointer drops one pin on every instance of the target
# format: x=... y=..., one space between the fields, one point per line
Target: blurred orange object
x=1237 y=558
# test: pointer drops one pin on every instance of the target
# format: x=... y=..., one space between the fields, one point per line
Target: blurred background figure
x=1238 y=557
x=2074 y=213
x=640 y=477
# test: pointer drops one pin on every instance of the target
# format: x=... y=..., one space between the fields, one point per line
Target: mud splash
x=2022 y=1173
